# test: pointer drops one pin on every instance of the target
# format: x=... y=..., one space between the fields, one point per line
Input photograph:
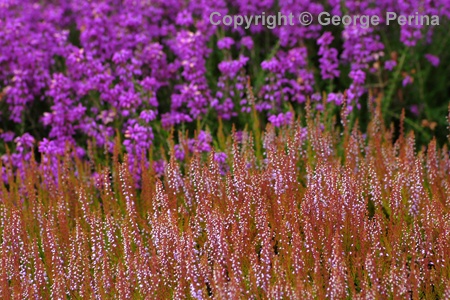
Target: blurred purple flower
x=281 y=119
x=247 y=42
x=338 y=99
x=7 y=136
x=179 y=152
x=414 y=109
x=184 y=18
x=390 y=65
x=159 y=166
x=407 y=80
x=434 y=60
x=225 y=43
x=221 y=159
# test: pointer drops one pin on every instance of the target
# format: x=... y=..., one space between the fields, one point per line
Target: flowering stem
x=411 y=123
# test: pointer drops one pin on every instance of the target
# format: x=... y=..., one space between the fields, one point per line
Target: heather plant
x=324 y=211
x=148 y=153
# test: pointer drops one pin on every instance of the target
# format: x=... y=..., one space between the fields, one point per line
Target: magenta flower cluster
x=87 y=70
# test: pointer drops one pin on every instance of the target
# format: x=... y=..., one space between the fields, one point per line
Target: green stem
x=392 y=87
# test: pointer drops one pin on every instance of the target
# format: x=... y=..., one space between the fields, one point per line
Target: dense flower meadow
x=146 y=153
x=78 y=71
x=328 y=214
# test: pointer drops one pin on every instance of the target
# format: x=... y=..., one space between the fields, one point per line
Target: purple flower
x=414 y=109
x=362 y=46
x=356 y=89
x=358 y=76
x=52 y=148
x=390 y=64
x=281 y=119
x=232 y=67
x=225 y=43
x=202 y=143
x=317 y=97
x=434 y=60
x=407 y=80
x=184 y=18
x=23 y=142
x=247 y=42
x=325 y=39
x=225 y=110
x=338 y=99
x=221 y=159
x=272 y=65
x=122 y=56
x=7 y=136
x=179 y=152
x=159 y=166
x=148 y=115
x=173 y=118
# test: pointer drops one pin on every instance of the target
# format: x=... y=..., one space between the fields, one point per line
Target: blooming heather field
x=147 y=153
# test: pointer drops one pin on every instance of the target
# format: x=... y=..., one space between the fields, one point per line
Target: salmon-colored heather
x=323 y=212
